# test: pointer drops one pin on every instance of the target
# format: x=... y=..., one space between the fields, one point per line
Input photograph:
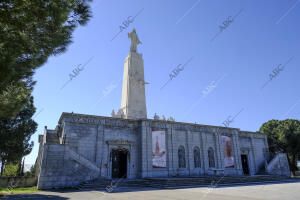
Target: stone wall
x=62 y=167
x=92 y=138
x=189 y=136
x=16 y=182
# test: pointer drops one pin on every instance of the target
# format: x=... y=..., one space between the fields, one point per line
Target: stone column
x=169 y=150
x=253 y=152
x=218 y=149
x=66 y=133
x=237 y=152
x=99 y=147
x=174 y=150
x=143 y=148
x=221 y=151
x=149 y=150
x=129 y=161
x=189 y=159
x=204 y=152
x=108 y=162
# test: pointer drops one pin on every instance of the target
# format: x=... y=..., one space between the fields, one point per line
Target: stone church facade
x=129 y=145
x=83 y=147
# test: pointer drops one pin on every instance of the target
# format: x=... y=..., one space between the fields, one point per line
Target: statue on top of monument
x=156 y=117
x=113 y=113
x=120 y=113
x=134 y=41
x=171 y=119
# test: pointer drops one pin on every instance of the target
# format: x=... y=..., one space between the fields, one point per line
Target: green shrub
x=11 y=169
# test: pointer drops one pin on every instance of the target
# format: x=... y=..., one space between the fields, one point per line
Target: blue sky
x=223 y=79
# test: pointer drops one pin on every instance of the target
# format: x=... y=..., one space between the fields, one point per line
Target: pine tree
x=15 y=134
x=30 y=32
x=284 y=136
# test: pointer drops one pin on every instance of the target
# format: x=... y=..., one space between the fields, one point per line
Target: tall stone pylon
x=133 y=105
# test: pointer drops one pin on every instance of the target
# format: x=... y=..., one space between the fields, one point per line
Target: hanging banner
x=228 y=155
x=159 y=149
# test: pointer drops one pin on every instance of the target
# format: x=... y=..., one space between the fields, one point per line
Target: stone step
x=183 y=181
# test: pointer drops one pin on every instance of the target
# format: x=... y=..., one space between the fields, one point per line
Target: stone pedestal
x=133 y=103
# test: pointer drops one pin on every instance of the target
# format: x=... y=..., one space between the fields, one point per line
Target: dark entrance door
x=245 y=164
x=119 y=164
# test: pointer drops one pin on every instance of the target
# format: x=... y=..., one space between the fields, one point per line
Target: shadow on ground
x=33 y=196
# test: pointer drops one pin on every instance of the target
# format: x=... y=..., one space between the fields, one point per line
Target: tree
x=15 y=96
x=21 y=171
x=32 y=171
x=15 y=134
x=11 y=169
x=30 y=32
x=284 y=136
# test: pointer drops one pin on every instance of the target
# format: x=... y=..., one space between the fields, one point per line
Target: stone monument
x=127 y=145
x=133 y=104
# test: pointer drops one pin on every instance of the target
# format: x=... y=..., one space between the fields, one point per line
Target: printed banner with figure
x=228 y=156
x=159 y=149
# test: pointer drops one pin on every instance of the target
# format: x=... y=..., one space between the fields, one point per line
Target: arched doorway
x=211 y=158
x=197 y=157
x=119 y=163
x=181 y=157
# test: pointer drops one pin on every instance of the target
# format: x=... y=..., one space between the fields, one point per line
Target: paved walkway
x=284 y=191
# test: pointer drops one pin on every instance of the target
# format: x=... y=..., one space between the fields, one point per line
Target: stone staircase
x=180 y=182
x=52 y=137
x=215 y=181
x=82 y=160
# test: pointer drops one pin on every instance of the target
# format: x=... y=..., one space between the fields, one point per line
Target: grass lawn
x=5 y=191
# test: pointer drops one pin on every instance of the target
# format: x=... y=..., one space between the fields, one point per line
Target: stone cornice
x=94 y=119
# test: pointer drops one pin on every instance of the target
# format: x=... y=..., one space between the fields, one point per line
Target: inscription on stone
x=85 y=120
